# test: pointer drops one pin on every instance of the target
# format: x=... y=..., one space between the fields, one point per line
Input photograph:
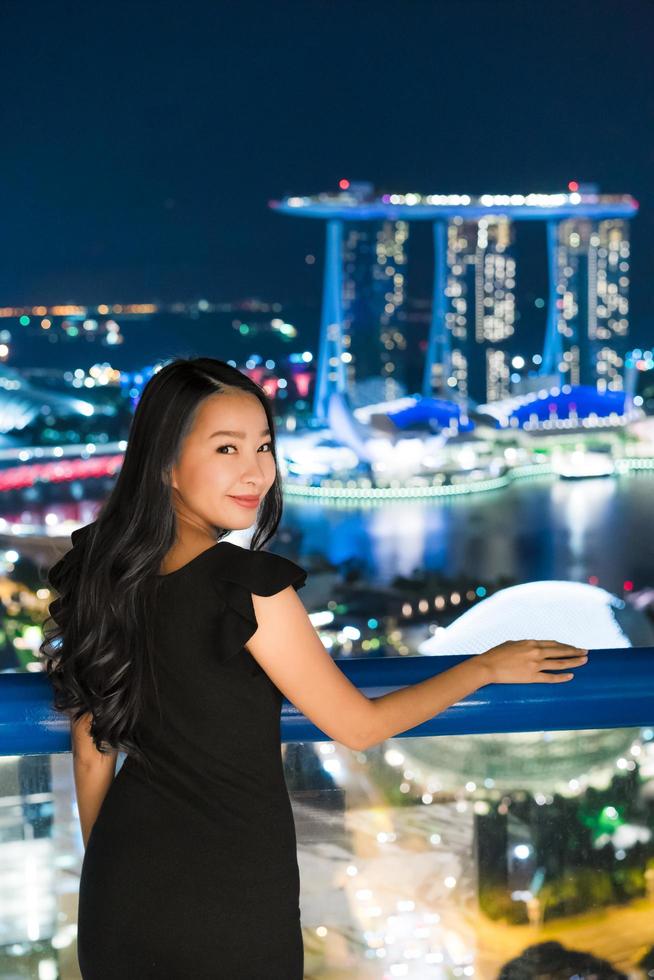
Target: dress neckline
x=191 y=561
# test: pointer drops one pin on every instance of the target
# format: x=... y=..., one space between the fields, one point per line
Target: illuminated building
x=588 y=320
x=473 y=308
x=479 y=312
x=374 y=260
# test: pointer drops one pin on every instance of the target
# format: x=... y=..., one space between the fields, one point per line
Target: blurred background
x=426 y=230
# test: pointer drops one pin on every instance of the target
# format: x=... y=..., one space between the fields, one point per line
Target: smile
x=246 y=501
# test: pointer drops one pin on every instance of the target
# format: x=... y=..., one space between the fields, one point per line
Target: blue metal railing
x=615 y=689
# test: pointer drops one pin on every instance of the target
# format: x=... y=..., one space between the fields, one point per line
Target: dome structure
x=562 y=761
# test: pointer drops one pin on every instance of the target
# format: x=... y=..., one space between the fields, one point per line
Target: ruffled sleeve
x=238 y=573
x=60 y=569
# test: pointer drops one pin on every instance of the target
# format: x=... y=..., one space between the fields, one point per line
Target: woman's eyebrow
x=239 y=435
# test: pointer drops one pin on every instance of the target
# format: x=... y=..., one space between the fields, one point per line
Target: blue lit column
x=438 y=345
x=330 y=373
x=630 y=375
x=553 y=349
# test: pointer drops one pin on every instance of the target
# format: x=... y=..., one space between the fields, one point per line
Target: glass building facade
x=374 y=291
x=592 y=308
x=480 y=310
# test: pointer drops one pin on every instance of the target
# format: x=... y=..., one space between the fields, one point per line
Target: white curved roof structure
x=570 y=612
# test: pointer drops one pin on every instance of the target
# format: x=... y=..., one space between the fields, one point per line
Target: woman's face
x=214 y=467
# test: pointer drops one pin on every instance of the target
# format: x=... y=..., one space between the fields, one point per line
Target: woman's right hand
x=528 y=661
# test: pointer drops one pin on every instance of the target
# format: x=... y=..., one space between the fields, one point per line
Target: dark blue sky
x=142 y=141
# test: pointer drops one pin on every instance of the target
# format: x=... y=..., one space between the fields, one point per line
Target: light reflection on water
x=533 y=530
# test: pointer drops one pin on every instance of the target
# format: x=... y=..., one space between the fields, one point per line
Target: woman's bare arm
x=94 y=772
x=289 y=649
x=511 y=662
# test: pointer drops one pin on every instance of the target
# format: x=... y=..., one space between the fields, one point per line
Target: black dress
x=190 y=872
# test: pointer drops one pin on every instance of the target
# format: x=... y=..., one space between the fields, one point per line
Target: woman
x=177 y=648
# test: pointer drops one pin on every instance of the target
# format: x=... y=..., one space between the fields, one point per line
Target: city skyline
x=156 y=187
x=438 y=395
x=473 y=309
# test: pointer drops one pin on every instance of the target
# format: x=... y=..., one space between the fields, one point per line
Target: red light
x=573 y=186
x=593 y=580
x=343 y=184
x=628 y=586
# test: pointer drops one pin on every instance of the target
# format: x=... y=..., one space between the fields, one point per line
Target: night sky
x=142 y=141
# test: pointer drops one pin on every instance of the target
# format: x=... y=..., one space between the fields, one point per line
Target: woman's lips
x=246 y=501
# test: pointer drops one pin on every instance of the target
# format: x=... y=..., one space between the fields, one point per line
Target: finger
x=564 y=662
x=561 y=648
x=556 y=678
x=553 y=643
x=547 y=643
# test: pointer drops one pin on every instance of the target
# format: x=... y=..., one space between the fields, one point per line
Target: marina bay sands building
x=478 y=311
x=474 y=313
x=588 y=323
x=373 y=335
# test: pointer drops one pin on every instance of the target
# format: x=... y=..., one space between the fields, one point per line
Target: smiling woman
x=173 y=497
x=190 y=850
x=179 y=647
x=216 y=483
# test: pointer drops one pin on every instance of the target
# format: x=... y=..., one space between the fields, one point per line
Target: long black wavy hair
x=97 y=646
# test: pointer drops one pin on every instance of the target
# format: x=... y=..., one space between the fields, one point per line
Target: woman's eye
x=229 y=446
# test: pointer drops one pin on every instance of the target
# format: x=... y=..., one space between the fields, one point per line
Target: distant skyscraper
x=466 y=359
x=591 y=262
x=374 y=289
x=479 y=311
